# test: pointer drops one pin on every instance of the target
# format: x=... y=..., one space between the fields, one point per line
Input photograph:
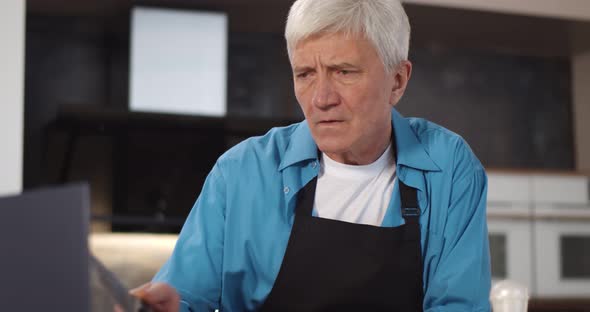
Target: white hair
x=383 y=22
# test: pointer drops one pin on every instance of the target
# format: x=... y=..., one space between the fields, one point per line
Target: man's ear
x=401 y=76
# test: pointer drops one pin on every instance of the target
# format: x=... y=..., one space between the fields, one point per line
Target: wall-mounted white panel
x=508 y=188
x=572 y=190
x=178 y=61
x=12 y=42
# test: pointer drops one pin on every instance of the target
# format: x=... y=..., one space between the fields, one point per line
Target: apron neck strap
x=409 y=201
x=305 y=198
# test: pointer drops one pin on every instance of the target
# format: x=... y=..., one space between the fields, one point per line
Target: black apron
x=332 y=265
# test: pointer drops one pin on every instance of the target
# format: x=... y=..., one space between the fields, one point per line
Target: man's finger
x=156 y=293
x=140 y=291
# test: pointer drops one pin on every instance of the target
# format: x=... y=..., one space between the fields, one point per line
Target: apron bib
x=332 y=265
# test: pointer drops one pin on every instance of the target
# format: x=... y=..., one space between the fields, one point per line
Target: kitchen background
x=511 y=79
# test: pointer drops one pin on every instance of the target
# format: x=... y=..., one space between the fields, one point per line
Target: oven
x=561 y=236
x=509 y=214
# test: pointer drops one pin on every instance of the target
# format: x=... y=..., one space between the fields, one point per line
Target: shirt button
x=286 y=189
x=314 y=164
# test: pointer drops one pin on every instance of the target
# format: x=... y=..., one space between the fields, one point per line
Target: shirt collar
x=410 y=152
x=301 y=146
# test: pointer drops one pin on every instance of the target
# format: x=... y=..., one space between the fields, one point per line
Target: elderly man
x=356 y=207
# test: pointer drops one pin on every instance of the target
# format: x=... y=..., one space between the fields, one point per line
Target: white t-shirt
x=357 y=194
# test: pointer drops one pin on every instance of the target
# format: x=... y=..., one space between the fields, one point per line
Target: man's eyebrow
x=299 y=69
x=337 y=66
x=343 y=65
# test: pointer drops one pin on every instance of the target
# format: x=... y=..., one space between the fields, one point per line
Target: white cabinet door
x=562 y=255
x=511 y=250
x=509 y=188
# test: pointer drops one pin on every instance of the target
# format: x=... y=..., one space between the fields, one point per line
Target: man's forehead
x=332 y=38
x=330 y=47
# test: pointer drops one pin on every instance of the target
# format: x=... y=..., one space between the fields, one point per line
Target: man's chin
x=331 y=147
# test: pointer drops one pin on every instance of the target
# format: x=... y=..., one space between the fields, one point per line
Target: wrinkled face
x=345 y=93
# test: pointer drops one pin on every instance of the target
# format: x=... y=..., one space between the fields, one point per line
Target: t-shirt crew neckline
x=337 y=169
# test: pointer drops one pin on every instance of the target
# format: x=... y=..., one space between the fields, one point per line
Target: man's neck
x=364 y=155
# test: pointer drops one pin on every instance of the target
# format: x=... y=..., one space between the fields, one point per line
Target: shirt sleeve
x=461 y=280
x=194 y=268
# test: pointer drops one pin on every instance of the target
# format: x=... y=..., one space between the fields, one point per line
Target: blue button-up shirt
x=231 y=247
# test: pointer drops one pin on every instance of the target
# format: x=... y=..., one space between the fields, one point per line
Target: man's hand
x=161 y=297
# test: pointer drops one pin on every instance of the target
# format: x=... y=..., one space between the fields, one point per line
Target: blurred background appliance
x=539 y=227
x=561 y=235
x=509 y=225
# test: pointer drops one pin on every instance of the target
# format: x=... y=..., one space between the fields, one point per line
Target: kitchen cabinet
x=539 y=227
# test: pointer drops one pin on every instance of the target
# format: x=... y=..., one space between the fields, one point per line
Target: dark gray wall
x=515 y=111
x=70 y=61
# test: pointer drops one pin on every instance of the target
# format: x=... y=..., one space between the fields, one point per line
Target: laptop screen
x=44 y=250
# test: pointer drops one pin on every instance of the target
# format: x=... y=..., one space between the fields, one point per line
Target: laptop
x=44 y=250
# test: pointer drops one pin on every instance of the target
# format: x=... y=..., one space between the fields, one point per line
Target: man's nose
x=325 y=96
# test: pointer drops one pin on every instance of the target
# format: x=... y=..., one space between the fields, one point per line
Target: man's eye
x=303 y=75
x=345 y=72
